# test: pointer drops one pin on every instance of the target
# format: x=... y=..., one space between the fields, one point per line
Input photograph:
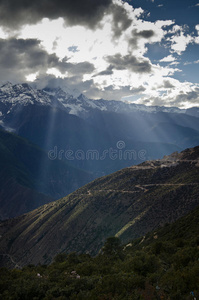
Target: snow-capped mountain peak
x=6 y=86
x=72 y=92
x=74 y=102
x=22 y=94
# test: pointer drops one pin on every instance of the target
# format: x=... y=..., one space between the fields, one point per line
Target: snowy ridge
x=73 y=101
x=121 y=106
x=73 y=105
x=22 y=94
x=72 y=92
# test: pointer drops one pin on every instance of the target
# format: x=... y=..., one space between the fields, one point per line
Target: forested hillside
x=161 y=265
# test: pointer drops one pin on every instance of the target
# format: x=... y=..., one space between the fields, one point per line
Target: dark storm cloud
x=19 y=57
x=121 y=20
x=145 y=33
x=138 y=90
x=108 y=71
x=192 y=97
x=88 y=12
x=91 y=89
x=81 y=68
x=49 y=80
x=136 y=35
x=74 y=82
x=73 y=68
x=129 y=62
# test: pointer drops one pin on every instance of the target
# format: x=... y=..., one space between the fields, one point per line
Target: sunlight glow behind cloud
x=110 y=59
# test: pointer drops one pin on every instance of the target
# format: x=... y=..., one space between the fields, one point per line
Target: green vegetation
x=127 y=204
x=162 y=265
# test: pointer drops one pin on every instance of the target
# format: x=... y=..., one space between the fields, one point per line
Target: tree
x=112 y=247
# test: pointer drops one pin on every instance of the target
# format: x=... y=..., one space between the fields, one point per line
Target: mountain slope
x=50 y=126
x=127 y=204
x=175 y=134
x=28 y=178
x=54 y=118
x=161 y=265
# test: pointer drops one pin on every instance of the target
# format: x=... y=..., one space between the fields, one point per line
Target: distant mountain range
x=126 y=204
x=84 y=138
x=53 y=117
x=74 y=102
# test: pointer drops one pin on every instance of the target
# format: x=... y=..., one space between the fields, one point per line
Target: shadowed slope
x=21 y=186
x=128 y=204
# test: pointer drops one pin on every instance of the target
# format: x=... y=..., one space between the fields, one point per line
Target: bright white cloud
x=180 y=94
x=180 y=42
x=79 y=44
x=95 y=45
x=197 y=37
x=179 y=38
x=191 y=62
x=175 y=28
x=174 y=63
x=32 y=77
x=169 y=58
x=57 y=73
x=3 y=34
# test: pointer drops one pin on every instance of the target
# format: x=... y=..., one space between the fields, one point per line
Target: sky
x=142 y=51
